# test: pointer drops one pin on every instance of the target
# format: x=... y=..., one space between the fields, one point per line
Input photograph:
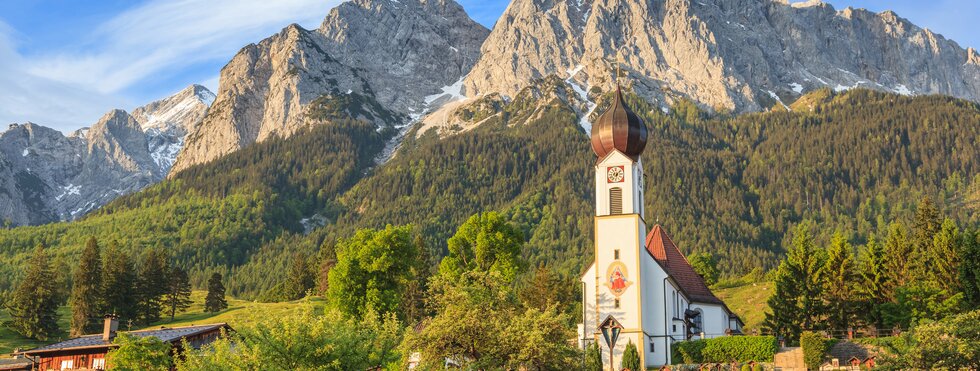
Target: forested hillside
x=731 y=186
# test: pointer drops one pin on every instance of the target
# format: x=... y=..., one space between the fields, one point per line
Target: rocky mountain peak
x=389 y=53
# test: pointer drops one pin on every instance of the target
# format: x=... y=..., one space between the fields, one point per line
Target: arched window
x=615 y=201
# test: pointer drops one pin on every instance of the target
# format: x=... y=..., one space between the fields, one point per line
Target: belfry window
x=615 y=201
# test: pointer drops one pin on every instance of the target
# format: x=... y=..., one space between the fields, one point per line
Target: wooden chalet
x=88 y=352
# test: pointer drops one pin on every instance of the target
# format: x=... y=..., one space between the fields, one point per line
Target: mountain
x=47 y=176
x=734 y=55
x=166 y=122
x=370 y=59
x=730 y=185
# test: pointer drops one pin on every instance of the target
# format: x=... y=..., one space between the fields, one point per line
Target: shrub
x=593 y=358
x=725 y=349
x=740 y=349
x=687 y=352
x=814 y=348
x=631 y=358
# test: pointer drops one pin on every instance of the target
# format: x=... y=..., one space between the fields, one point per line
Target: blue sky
x=63 y=63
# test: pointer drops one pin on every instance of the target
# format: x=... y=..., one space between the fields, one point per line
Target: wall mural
x=617 y=278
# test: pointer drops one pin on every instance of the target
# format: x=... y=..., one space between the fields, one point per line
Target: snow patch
x=70 y=189
x=206 y=97
x=26 y=152
x=454 y=92
x=776 y=97
x=584 y=95
x=796 y=88
x=903 y=90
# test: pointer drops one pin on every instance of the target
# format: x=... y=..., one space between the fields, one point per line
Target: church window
x=651 y=344
x=615 y=201
x=616 y=254
x=616 y=303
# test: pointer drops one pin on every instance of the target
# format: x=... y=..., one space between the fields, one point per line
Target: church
x=640 y=288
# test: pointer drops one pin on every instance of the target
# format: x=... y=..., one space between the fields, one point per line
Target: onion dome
x=619 y=129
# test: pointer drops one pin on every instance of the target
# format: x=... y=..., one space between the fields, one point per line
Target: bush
x=814 y=347
x=725 y=349
x=593 y=358
x=631 y=358
x=740 y=349
x=687 y=352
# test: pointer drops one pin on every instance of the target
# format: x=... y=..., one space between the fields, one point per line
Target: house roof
x=15 y=364
x=846 y=350
x=165 y=334
x=665 y=252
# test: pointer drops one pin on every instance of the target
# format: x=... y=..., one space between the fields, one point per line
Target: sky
x=64 y=63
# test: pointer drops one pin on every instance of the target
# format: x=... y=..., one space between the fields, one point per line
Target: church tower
x=619 y=136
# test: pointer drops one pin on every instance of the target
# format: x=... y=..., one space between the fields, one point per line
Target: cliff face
x=740 y=55
x=390 y=53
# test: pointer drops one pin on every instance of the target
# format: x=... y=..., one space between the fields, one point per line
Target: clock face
x=615 y=174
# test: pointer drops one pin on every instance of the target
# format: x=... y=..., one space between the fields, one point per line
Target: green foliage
x=139 y=353
x=706 y=265
x=970 y=268
x=874 y=285
x=33 y=305
x=305 y=340
x=687 y=352
x=631 y=359
x=178 y=293
x=840 y=278
x=118 y=284
x=215 y=300
x=796 y=301
x=920 y=301
x=86 y=286
x=725 y=349
x=951 y=344
x=151 y=286
x=374 y=268
x=593 y=357
x=300 y=278
x=544 y=288
x=485 y=243
x=814 y=348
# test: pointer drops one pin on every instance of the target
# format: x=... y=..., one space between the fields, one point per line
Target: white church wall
x=588 y=328
x=714 y=319
x=631 y=174
x=656 y=314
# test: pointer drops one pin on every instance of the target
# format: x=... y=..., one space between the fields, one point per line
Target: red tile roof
x=665 y=252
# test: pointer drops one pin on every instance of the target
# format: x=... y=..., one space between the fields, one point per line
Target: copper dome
x=619 y=129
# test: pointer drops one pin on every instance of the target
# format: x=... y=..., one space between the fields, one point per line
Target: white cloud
x=161 y=37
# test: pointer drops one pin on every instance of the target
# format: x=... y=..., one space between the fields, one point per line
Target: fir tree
x=215 y=301
x=151 y=285
x=34 y=304
x=118 y=289
x=970 y=268
x=300 y=278
x=86 y=291
x=178 y=296
x=631 y=358
x=875 y=286
x=897 y=257
x=796 y=301
x=839 y=279
x=924 y=228
x=944 y=257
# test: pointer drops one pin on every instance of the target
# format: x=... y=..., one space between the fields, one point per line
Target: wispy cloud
x=159 y=38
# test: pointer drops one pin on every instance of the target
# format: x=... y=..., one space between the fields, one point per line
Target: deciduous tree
x=373 y=270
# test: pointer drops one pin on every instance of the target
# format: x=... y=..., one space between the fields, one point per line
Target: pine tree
x=300 y=278
x=178 y=296
x=839 y=279
x=215 y=301
x=118 y=284
x=875 y=287
x=34 y=304
x=897 y=257
x=86 y=291
x=970 y=268
x=796 y=301
x=924 y=228
x=151 y=285
x=631 y=358
x=944 y=257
